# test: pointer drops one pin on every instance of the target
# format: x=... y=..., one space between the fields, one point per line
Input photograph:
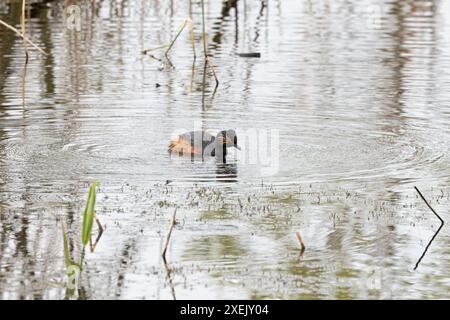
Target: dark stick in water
x=250 y=55
x=166 y=244
x=442 y=224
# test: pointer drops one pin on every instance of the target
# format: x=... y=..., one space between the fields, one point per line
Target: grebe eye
x=235 y=140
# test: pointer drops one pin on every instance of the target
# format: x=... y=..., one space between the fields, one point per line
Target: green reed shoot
x=68 y=259
x=74 y=268
x=86 y=231
x=89 y=214
x=191 y=31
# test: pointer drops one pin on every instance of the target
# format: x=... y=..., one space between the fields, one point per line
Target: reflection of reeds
x=22 y=24
x=24 y=76
x=205 y=49
x=169 y=279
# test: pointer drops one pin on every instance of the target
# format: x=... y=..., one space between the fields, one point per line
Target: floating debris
x=250 y=55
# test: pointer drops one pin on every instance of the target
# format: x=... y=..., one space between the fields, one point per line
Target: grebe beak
x=238 y=147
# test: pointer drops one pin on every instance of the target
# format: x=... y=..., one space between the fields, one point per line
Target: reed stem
x=22 y=24
x=436 y=233
x=187 y=22
x=300 y=241
x=205 y=49
x=169 y=234
x=191 y=32
x=22 y=36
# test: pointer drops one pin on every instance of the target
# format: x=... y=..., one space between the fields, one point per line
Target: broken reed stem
x=169 y=234
x=24 y=76
x=191 y=28
x=300 y=241
x=429 y=206
x=22 y=23
x=155 y=48
x=189 y=22
x=22 y=36
x=438 y=230
x=170 y=45
x=25 y=45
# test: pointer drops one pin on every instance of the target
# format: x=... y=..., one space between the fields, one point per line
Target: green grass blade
x=89 y=212
x=67 y=256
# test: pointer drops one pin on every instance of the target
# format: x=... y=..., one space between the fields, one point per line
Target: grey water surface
x=356 y=94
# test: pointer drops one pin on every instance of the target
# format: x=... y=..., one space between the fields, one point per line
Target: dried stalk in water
x=169 y=234
x=22 y=36
x=22 y=24
x=187 y=22
x=300 y=241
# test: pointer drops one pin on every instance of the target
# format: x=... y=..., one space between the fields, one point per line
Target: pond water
x=353 y=94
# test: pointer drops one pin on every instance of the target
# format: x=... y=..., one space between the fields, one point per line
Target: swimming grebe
x=204 y=144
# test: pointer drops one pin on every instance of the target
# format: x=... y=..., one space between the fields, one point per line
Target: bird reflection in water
x=226 y=172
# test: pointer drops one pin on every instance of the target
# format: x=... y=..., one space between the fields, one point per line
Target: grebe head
x=227 y=138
